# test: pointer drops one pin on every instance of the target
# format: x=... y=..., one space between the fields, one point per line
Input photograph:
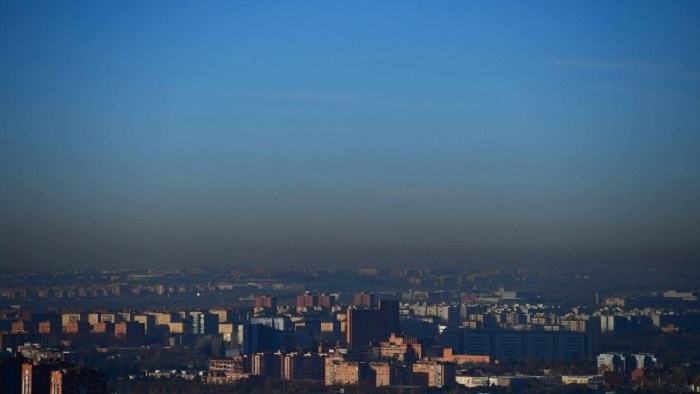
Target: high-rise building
x=36 y=377
x=259 y=337
x=298 y=366
x=363 y=327
x=266 y=364
x=389 y=318
x=204 y=323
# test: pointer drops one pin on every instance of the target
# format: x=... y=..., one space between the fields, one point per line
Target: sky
x=333 y=134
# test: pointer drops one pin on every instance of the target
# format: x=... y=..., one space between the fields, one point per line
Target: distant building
x=614 y=302
x=103 y=328
x=339 y=372
x=266 y=301
x=611 y=362
x=93 y=318
x=266 y=364
x=307 y=300
x=34 y=353
x=163 y=318
x=641 y=361
x=45 y=327
x=76 y=327
x=109 y=317
x=683 y=295
x=364 y=300
x=180 y=327
x=77 y=380
x=433 y=374
x=363 y=327
x=225 y=315
x=148 y=321
x=229 y=366
x=298 y=366
x=382 y=374
x=472 y=381
x=14 y=340
x=10 y=374
x=282 y=323
x=575 y=324
x=389 y=318
x=326 y=301
x=130 y=330
x=123 y=316
x=19 y=326
x=400 y=348
x=613 y=323
x=256 y=338
x=425 y=329
x=204 y=323
x=36 y=377
x=54 y=320
x=67 y=318
x=548 y=346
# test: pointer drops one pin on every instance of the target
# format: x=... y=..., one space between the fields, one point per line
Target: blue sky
x=360 y=133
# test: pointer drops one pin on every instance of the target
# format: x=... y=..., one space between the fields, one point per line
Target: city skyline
x=336 y=134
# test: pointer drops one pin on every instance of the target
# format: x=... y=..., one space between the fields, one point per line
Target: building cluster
x=34 y=370
x=397 y=361
x=379 y=342
x=640 y=372
x=415 y=337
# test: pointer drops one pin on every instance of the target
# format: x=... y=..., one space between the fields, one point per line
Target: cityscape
x=370 y=330
x=453 y=197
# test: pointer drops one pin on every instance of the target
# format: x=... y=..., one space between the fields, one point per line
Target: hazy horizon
x=349 y=134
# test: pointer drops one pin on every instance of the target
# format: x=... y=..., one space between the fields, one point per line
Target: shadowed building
x=77 y=380
x=389 y=318
x=36 y=377
x=10 y=374
x=130 y=330
x=363 y=327
x=298 y=366
x=552 y=346
x=400 y=348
